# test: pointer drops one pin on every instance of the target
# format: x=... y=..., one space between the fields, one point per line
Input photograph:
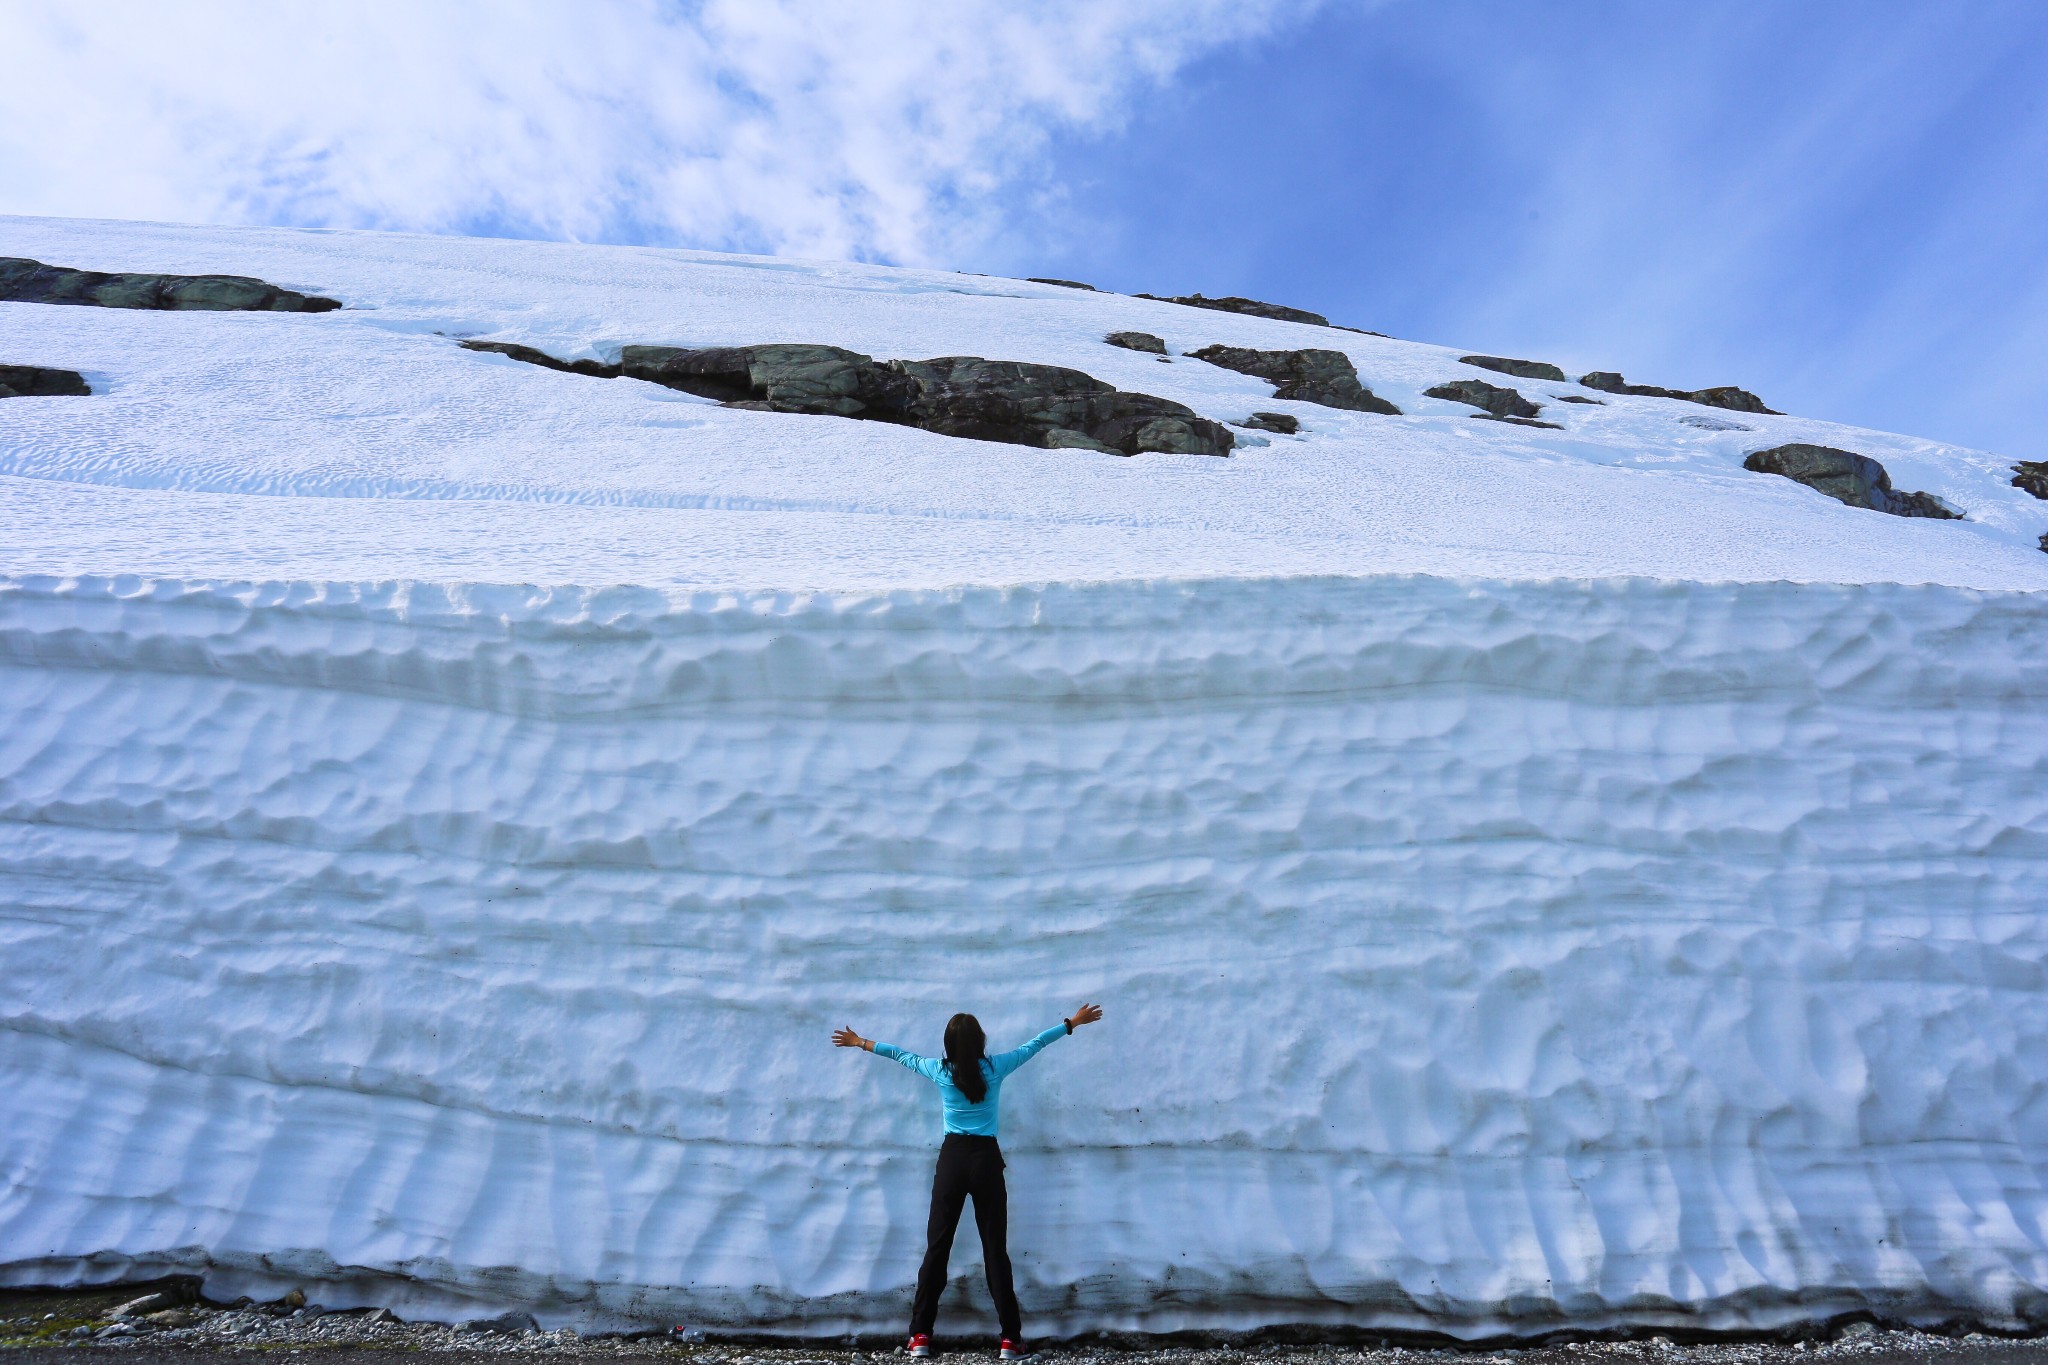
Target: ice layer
x=1477 y=953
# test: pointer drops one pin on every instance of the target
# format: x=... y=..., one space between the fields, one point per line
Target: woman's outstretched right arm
x=1006 y=1062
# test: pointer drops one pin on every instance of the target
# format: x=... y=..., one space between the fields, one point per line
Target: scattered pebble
x=205 y=1331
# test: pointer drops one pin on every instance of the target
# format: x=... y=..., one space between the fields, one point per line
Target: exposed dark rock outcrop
x=1064 y=284
x=1480 y=394
x=26 y=281
x=38 y=381
x=1272 y=421
x=986 y=400
x=2031 y=475
x=596 y=369
x=1137 y=341
x=1607 y=381
x=1726 y=396
x=1847 y=477
x=1312 y=376
x=1249 y=307
x=1734 y=399
x=1520 y=369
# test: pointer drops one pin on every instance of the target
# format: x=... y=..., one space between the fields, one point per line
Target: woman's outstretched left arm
x=923 y=1066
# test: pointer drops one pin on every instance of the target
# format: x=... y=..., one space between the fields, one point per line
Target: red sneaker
x=920 y=1346
x=1012 y=1350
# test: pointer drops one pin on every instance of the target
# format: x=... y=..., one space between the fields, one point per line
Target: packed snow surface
x=1535 y=877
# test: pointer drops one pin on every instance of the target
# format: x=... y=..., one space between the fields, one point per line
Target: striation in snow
x=1539 y=877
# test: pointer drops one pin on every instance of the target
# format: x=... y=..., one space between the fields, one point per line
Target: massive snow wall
x=1479 y=956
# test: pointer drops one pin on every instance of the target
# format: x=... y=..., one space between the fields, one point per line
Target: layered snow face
x=1478 y=955
x=1535 y=876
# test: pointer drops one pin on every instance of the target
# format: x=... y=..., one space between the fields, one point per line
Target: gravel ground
x=170 y=1327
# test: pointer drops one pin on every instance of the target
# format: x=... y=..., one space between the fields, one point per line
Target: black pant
x=968 y=1165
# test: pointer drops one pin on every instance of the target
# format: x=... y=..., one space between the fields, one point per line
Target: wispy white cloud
x=1843 y=214
x=885 y=129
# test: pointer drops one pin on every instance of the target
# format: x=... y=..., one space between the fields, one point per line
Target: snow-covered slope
x=365 y=444
x=445 y=804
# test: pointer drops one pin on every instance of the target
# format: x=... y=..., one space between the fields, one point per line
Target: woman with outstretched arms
x=970 y=1163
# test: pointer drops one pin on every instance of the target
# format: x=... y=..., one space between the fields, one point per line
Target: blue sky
x=1843 y=206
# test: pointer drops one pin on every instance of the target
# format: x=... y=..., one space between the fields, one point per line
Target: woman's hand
x=846 y=1037
x=1087 y=1014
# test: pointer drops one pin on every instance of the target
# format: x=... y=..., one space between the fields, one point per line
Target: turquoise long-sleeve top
x=962 y=1116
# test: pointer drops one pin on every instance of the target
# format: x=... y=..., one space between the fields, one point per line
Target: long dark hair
x=965 y=1046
